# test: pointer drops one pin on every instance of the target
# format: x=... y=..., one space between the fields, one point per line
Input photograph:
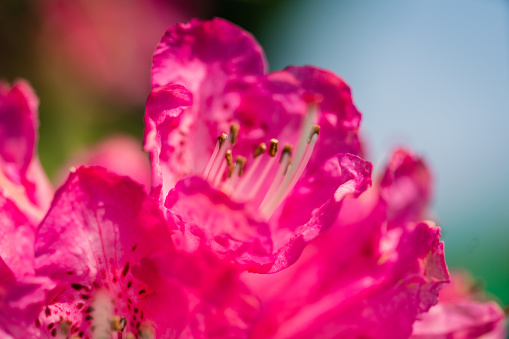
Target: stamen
x=234 y=133
x=282 y=170
x=238 y=170
x=290 y=180
x=227 y=162
x=274 y=144
x=259 y=150
x=273 y=148
x=251 y=170
x=241 y=161
x=220 y=142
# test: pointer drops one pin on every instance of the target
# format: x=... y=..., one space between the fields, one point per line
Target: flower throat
x=246 y=185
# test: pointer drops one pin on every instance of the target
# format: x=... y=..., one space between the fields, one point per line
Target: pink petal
x=462 y=319
x=21 y=303
x=201 y=55
x=234 y=230
x=463 y=311
x=219 y=223
x=220 y=306
x=167 y=149
x=120 y=154
x=99 y=226
x=21 y=173
x=16 y=240
x=373 y=294
x=406 y=187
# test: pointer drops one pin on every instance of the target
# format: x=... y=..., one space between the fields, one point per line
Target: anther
x=260 y=150
x=229 y=162
x=214 y=161
x=240 y=161
x=234 y=133
x=292 y=177
x=222 y=138
x=314 y=130
x=274 y=145
x=288 y=149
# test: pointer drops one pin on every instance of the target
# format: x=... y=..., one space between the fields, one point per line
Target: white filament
x=289 y=181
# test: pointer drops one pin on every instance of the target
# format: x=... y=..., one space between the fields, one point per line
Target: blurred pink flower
x=109 y=43
x=238 y=194
x=121 y=154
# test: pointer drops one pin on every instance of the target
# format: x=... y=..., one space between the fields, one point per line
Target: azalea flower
x=253 y=165
x=250 y=170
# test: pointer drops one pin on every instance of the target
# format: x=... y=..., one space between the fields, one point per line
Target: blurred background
x=431 y=75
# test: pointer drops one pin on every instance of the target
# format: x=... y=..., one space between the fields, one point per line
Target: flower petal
x=406 y=187
x=220 y=305
x=365 y=296
x=202 y=54
x=17 y=236
x=462 y=319
x=99 y=226
x=463 y=311
x=234 y=230
x=168 y=149
x=219 y=223
x=21 y=303
x=21 y=171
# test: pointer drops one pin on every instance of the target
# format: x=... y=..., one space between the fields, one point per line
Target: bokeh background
x=431 y=75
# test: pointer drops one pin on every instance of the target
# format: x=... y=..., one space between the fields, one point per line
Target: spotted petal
x=99 y=226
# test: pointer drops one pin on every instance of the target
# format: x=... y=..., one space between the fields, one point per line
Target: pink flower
x=462 y=312
x=21 y=176
x=121 y=154
x=370 y=276
x=24 y=197
x=107 y=43
x=238 y=193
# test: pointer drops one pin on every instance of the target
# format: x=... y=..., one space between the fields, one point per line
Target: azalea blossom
x=252 y=173
x=253 y=165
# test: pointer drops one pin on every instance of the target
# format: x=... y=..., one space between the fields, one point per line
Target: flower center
x=265 y=180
